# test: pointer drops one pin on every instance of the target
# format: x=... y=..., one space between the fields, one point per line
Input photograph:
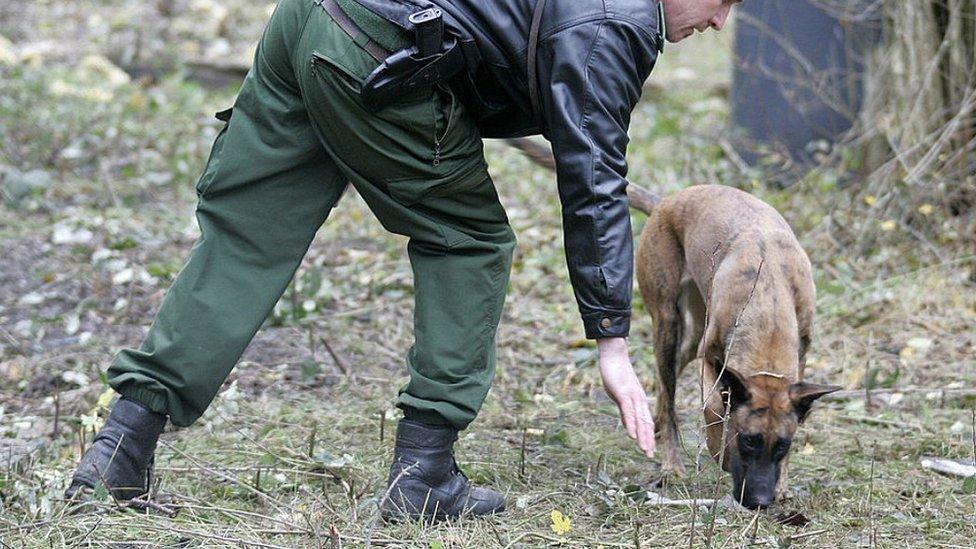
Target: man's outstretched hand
x=624 y=388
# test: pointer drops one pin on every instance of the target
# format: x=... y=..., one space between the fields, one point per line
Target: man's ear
x=803 y=394
x=733 y=384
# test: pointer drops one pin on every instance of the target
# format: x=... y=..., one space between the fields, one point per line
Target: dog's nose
x=758 y=501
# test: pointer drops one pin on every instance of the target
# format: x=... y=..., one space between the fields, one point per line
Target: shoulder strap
x=532 y=64
x=350 y=27
x=397 y=12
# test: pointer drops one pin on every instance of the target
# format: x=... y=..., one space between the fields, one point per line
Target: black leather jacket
x=593 y=58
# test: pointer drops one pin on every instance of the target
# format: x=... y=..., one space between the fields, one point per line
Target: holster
x=441 y=51
x=434 y=58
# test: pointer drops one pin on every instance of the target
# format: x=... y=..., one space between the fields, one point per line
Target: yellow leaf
x=137 y=101
x=869 y=200
x=560 y=522
x=888 y=226
x=926 y=209
x=807 y=449
x=105 y=399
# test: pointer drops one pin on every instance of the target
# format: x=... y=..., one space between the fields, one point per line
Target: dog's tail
x=641 y=199
x=538 y=153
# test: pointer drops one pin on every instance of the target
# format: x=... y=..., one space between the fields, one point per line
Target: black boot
x=425 y=480
x=121 y=453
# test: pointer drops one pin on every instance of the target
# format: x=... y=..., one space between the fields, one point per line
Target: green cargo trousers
x=297 y=133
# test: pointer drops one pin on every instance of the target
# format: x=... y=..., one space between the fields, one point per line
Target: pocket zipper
x=341 y=72
x=447 y=129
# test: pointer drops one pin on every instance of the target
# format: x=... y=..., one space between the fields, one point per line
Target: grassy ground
x=294 y=451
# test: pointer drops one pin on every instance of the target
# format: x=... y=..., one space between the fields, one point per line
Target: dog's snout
x=758 y=501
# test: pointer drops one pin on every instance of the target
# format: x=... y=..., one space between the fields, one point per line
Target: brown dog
x=726 y=281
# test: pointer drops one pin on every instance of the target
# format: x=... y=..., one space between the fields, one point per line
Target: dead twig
x=108 y=487
x=169 y=527
x=661 y=501
x=224 y=476
x=873 y=538
x=340 y=362
x=382 y=501
x=860 y=393
x=805 y=535
x=884 y=422
x=144 y=504
x=949 y=467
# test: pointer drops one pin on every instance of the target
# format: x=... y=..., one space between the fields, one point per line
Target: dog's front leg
x=667 y=327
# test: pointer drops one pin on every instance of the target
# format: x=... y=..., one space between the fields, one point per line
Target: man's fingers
x=648 y=444
x=628 y=419
x=635 y=417
x=631 y=426
x=645 y=429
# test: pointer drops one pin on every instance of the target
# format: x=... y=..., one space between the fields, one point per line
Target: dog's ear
x=732 y=383
x=803 y=394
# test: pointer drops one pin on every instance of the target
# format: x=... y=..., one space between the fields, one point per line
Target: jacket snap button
x=605 y=323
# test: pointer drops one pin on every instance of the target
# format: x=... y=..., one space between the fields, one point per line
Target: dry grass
x=291 y=452
x=914 y=144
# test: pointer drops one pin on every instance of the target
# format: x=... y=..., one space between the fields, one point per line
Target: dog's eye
x=751 y=443
x=782 y=447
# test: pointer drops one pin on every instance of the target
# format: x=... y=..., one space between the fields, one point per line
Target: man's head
x=684 y=17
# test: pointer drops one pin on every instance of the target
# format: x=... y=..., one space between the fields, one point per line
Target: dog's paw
x=672 y=466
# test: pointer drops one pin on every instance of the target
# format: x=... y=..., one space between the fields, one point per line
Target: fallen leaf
x=8 y=56
x=32 y=298
x=104 y=399
x=560 y=522
x=920 y=344
x=103 y=71
x=63 y=234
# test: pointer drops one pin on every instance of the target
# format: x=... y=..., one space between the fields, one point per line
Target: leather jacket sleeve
x=590 y=76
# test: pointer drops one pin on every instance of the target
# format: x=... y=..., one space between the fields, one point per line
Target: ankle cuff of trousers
x=153 y=402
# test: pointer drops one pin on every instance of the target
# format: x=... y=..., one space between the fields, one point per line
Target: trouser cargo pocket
x=411 y=190
x=213 y=162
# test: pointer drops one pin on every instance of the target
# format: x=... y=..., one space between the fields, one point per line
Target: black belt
x=352 y=29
